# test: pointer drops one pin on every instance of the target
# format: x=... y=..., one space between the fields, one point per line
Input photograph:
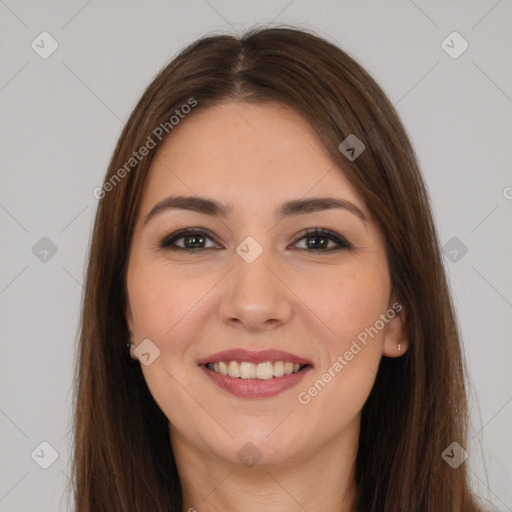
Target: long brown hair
x=122 y=457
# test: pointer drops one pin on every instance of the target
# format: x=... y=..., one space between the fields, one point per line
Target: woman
x=267 y=323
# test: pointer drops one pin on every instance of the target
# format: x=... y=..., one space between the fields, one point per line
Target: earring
x=399 y=348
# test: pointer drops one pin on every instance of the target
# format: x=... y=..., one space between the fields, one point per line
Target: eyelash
x=168 y=241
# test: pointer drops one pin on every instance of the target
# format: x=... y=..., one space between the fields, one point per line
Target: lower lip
x=255 y=388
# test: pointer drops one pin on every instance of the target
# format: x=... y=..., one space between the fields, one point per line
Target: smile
x=254 y=374
x=248 y=370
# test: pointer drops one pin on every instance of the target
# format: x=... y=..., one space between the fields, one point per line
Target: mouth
x=261 y=374
x=262 y=371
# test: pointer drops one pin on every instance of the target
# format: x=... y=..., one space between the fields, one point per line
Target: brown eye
x=192 y=239
x=318 y=239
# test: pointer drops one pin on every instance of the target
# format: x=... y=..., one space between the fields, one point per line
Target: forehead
x=255 y=154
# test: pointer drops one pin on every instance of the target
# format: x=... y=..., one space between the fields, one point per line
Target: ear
x=396 y=342
x=129 y=324
x=129 y=318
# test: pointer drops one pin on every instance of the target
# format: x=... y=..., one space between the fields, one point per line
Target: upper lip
x=261 y=356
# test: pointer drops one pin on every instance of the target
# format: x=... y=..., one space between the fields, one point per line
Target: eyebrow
x=216 y=209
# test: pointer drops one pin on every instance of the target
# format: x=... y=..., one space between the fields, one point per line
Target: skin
x=310 y=302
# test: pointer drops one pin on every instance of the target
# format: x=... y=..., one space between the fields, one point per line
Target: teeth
x=223 y=369
x=278 y=369
x=247 y=370
x=262 y=371
x=233 y=369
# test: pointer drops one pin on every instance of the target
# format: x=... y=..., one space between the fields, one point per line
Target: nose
x=256 y=296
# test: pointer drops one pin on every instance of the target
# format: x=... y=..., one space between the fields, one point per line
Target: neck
x=322 y=481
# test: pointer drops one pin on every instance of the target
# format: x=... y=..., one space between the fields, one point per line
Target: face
x=251 y=276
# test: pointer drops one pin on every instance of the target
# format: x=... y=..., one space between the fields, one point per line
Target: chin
x=260 y=447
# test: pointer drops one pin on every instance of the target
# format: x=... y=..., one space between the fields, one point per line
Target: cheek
x=348 y=302
x=353 y=305
x=349 y=307
x=163 y=300
x=164 y=305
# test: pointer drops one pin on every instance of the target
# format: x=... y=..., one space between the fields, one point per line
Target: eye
x=193 y=239
x=317 y=240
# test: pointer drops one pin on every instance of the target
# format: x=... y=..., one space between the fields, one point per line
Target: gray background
x=60 y=119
